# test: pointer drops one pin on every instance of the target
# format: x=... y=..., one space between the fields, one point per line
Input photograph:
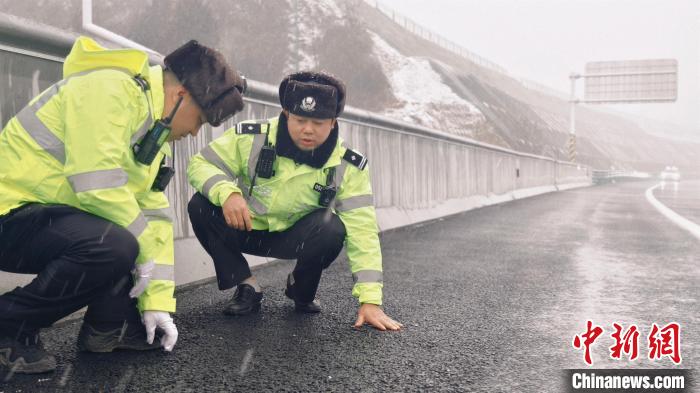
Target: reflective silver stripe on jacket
x=340 y=174
x=258 y=142
x=253 y=202
x=48 y=141
x=338 y=180
x=211 y=182
x=166 y=214
x=138 y=225
x=256 y=205
x=46 y=97
x=367 y=276
x=355 y=202
x=36 y=129
x=41 y=134
x=96 y=180
x=213 y=157
x=163 y=272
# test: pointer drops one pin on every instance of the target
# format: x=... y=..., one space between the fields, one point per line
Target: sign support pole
x=571 y=147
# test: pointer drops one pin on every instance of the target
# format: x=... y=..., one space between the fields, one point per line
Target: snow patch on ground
x=424 y=98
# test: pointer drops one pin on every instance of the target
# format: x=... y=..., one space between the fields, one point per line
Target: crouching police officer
x=288 y=188
x=82 y=202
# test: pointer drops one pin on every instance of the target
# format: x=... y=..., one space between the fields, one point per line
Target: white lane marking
x=676 y=218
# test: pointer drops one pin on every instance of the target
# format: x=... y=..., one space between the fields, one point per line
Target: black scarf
x=316 y=158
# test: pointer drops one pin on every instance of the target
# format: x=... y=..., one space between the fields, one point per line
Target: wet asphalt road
x=491 y=300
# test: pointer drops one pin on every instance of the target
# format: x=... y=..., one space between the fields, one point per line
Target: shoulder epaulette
x=355 y=158
x=253 y=127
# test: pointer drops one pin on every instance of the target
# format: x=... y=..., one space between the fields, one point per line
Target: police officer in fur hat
x=82 y=202
x=288 y=188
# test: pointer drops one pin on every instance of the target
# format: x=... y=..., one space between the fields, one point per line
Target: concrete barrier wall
x=417 y=174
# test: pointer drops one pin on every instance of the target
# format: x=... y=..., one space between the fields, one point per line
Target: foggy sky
x=546 y=40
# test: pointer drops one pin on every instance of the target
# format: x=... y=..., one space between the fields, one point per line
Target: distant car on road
x=670 y=173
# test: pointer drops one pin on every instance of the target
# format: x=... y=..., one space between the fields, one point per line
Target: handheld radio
x=265 y=164
x=266 y=160
x=326 y=193
x=146 y=149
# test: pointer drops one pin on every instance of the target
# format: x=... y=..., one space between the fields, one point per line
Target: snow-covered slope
x=422 y=97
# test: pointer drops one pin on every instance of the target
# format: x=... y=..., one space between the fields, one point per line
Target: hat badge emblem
x=308 y=104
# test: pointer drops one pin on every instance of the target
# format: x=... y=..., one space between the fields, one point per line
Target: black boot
x=311 y=307
x=26 y=356
x=108 y=338
x=245 y=301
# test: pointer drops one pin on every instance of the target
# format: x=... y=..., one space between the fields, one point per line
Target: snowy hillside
x=304 y=32
x=422 y=97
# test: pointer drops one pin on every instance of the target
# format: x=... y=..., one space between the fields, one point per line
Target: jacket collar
x=157 y=91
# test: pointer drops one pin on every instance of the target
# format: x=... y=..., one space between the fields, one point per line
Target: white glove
x=161 y=319
x=143 y=275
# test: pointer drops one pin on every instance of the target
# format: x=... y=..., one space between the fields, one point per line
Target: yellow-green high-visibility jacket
x=72 y=145
x=227 y=165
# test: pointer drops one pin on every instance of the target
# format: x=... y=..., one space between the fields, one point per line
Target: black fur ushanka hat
x=312 y=94
x=214 y=84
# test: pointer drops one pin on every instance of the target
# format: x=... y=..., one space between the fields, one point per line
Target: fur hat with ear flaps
x=313 y=94
x=215 y=86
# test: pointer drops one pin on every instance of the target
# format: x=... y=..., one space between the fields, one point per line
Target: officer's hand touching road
x=161 y=319
x=236 y=212
x=374 y=315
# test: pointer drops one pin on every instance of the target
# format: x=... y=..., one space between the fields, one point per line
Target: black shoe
x=28 y=357
x=311 y=307
x=245 y=301
x=127 y=337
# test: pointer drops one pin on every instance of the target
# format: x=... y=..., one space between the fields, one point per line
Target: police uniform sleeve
x=215 y=170
x=99 y=116
x=159 y=294
x=354 y=205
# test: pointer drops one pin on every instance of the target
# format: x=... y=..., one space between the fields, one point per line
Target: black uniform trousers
x=79 y=259
x=314 y=241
